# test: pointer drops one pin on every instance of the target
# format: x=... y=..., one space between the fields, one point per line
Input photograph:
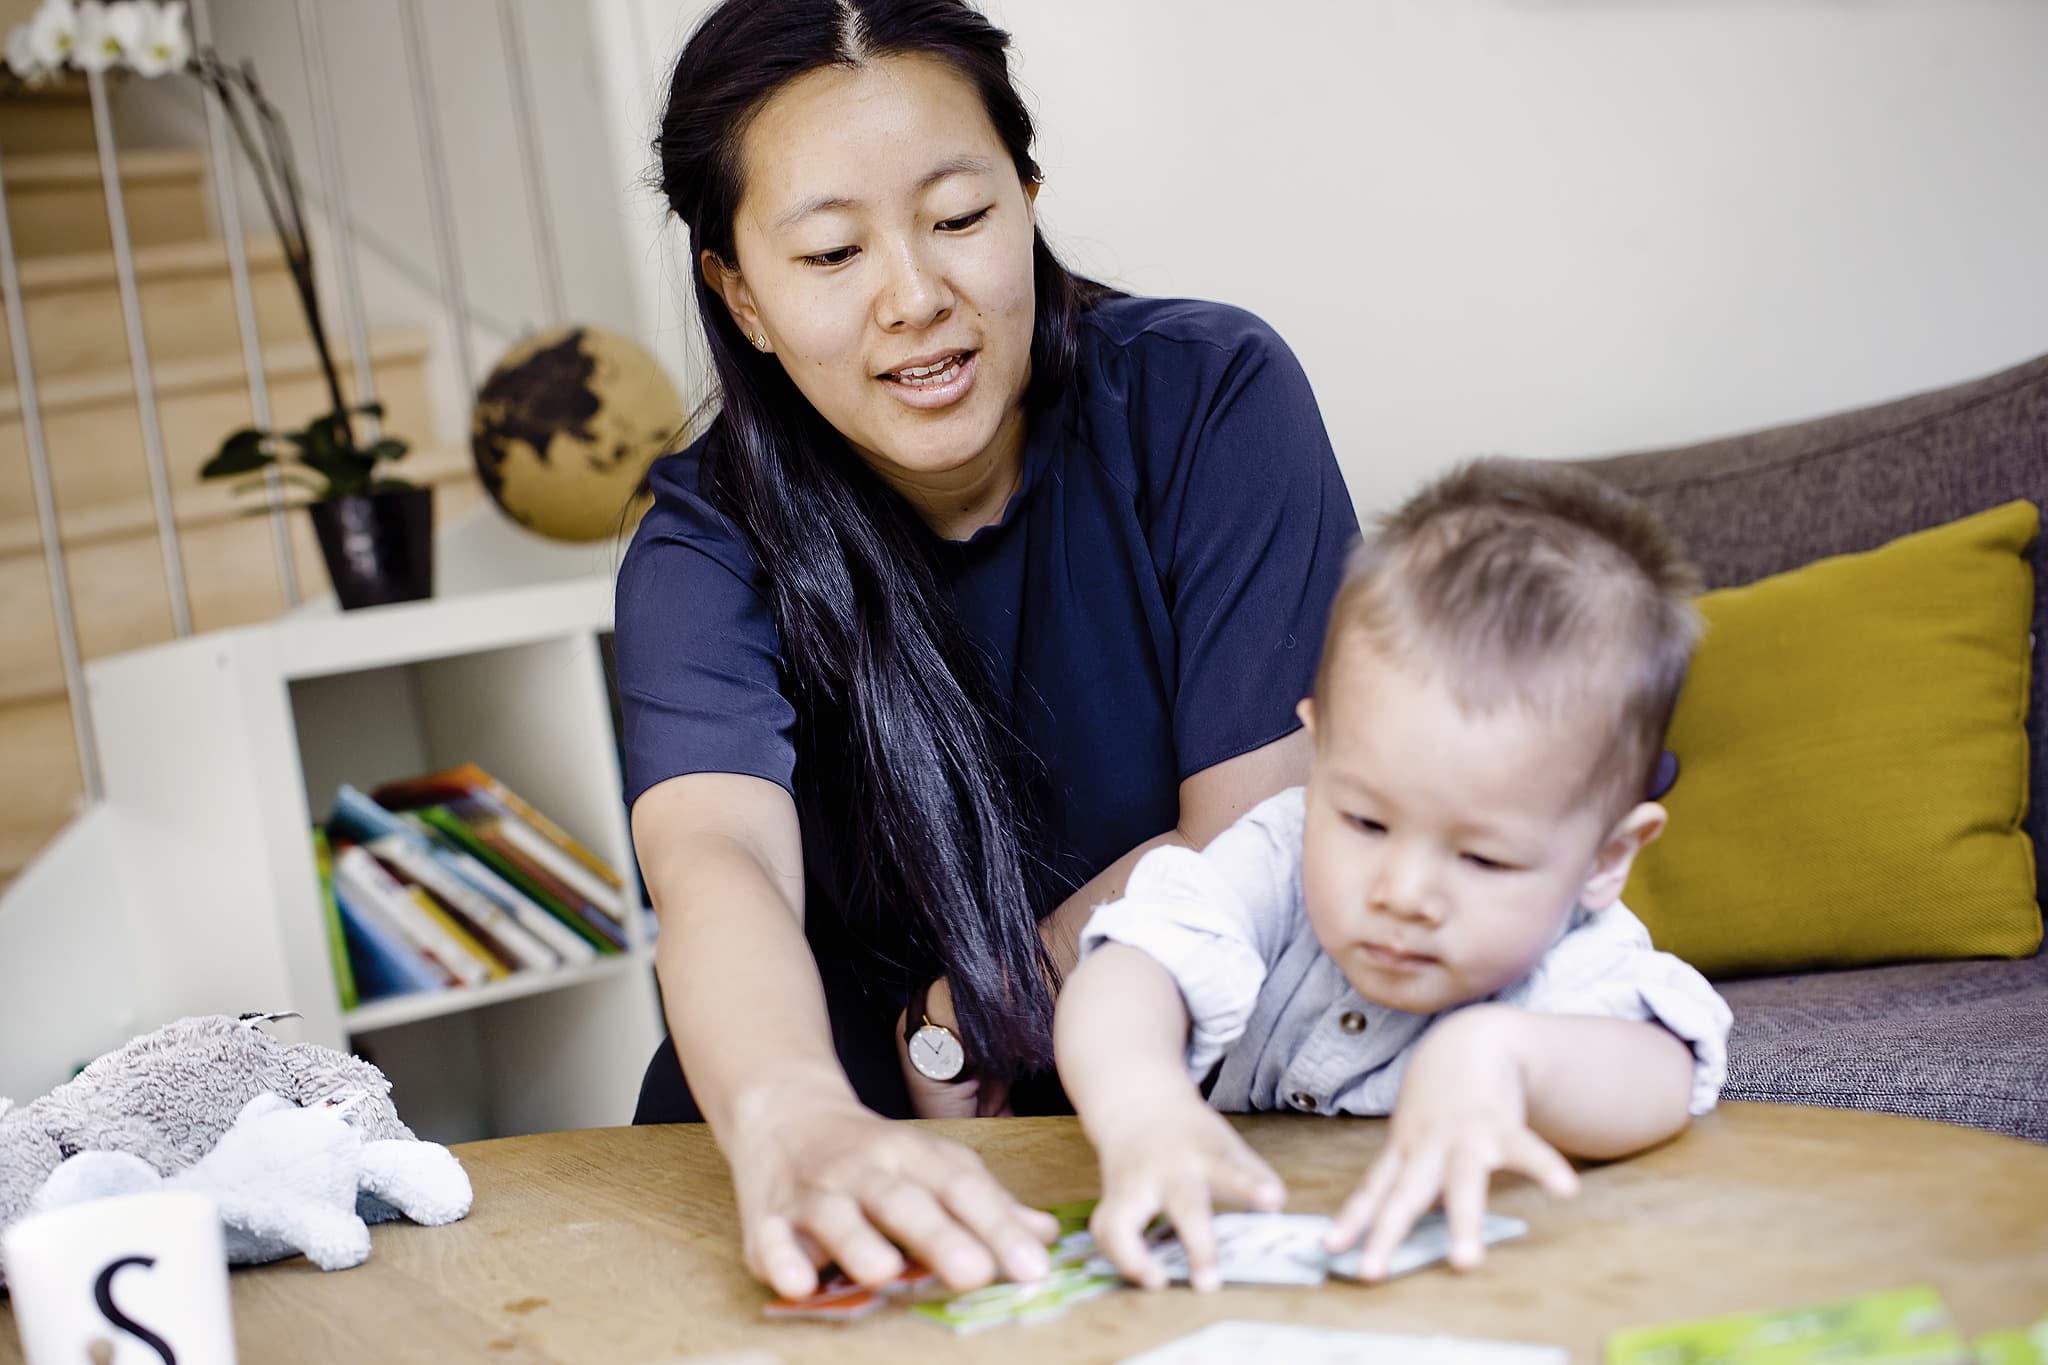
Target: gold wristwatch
x=935 y=1050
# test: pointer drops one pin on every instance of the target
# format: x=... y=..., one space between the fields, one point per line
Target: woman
x=984 y=580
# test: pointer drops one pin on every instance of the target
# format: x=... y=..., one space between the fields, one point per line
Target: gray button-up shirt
x=1230 y=925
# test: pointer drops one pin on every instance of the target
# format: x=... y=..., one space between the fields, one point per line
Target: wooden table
x=620 y=1246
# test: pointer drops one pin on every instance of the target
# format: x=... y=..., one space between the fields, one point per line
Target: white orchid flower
x=97 y=47
x=21 y=56
x=51 y=34
x=151 y=35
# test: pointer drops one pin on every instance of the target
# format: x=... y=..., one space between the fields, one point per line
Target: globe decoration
x=565 y=426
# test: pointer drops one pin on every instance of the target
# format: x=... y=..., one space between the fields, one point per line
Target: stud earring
x=760 y=342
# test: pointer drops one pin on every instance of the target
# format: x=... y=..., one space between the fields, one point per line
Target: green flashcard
x=1908 y=1326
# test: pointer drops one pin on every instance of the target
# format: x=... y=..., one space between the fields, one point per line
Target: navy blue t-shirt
x=1152 y=601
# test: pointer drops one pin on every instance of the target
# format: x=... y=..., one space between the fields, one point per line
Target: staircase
x=93 y=434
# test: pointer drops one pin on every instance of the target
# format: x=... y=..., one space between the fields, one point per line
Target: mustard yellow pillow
x=1853 y=763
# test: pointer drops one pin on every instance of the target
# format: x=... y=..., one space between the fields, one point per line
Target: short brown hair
x=1532 y=583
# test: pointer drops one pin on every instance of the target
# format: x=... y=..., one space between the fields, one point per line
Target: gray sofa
x=1965 y=1042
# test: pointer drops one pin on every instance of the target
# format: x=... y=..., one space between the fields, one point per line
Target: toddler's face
x=1444 y=852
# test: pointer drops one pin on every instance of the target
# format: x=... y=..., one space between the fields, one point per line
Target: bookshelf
x=222 y=749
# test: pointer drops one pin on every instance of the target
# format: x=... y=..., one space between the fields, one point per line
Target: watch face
x=936 y=1053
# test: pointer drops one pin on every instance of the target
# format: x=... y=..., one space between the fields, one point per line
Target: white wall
x=1553 y=227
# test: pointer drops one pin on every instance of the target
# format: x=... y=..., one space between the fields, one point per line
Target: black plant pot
x=379 y=546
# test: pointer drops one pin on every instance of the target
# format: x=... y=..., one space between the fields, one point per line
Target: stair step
x=194 y=507
x=94 y=433
x=74 y=316
x=56 y=204
x=50 y=118
x=118 y=589
x=119 y=600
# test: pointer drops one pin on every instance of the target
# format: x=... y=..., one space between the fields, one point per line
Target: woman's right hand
x=831 y=1181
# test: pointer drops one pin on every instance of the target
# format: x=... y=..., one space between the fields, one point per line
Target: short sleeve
x=1215 y=920
x=698 y=653
x=1256 y=521
x=1605 y=965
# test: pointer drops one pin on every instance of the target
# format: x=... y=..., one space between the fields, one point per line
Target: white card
x=1234 y=1343
x=1429 y=1242
x=1258 y=1248
x=1287 y=1248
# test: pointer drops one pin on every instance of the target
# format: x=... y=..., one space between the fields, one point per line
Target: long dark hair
x=926 y=790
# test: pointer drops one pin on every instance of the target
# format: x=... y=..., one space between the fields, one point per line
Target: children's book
x=499 y=834
x=565 y=942
x=490 y=923
x=359 y=875
x=337 y=937
x=472 y=782
x=559 y=865
x=1907 y=1326
x=597 y=928
x=382 y=962
x=495 y=968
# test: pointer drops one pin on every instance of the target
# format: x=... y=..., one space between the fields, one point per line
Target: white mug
x=140 y=1279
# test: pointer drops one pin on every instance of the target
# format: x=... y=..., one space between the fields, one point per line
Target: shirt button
x=1352 y=1022
x=1303 y=1101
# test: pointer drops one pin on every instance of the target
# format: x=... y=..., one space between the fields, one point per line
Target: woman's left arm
x=1210 y=802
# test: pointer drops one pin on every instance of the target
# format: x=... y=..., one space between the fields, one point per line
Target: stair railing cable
x=530 y=162
x=434 y=159
x=222 y=168
x=138 y=358
x=46 y=509
x=327 y=150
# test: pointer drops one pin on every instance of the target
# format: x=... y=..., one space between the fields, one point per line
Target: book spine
x=499 y=930
x=566 y=942
x=516 y=806
x=451 y=924
x=358 y=869
x=470 y=783
x=445 y=820
x=564 y=868
x=386 y=963
x=509 y=854
x=330 y=910
x=538 y=922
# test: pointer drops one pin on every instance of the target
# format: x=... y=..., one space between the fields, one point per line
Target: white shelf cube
x=223 y=749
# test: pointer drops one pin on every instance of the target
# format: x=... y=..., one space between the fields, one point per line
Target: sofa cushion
x=1759 y=504
x=1965 y=1042
x=1853 y=761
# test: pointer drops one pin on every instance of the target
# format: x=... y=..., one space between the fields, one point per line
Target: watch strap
x=914 y=1012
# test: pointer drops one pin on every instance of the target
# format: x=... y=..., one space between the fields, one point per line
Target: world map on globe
x=565 y=426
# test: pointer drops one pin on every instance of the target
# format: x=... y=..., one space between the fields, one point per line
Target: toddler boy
x=1431 y=927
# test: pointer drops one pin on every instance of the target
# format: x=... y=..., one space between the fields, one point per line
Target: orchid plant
x=145 y=36
x=148 y=37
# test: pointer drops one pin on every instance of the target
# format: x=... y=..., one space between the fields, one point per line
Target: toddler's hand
x=1461 y=1117
x=1173 y=1156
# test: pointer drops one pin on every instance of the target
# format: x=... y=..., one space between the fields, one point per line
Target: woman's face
x=884 y=255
